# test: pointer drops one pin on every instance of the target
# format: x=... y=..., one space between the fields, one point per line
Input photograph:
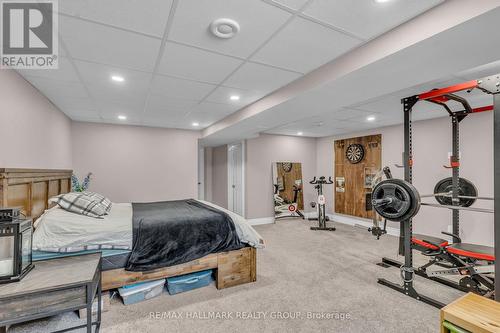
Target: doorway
x=235 y=177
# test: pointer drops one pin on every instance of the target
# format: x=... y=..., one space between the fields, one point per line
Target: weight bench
x=425 y=243
x=472 y=251
x=455 y=259
x=461 y=259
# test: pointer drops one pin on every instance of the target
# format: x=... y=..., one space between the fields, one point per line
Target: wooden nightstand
x=52 y=287
x=472 y=313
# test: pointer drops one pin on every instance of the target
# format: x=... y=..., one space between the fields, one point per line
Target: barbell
x=398 y=200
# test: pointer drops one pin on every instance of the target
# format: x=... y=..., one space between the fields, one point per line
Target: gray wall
x=432 y=142
x=263 y=151
x=133 y=163
x=34 y=132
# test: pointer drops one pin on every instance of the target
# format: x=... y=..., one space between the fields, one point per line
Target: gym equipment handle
x=382 y=201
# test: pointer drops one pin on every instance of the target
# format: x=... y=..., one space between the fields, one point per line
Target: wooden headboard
x=32 y=188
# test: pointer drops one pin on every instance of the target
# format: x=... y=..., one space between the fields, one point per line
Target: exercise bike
x=322 y=218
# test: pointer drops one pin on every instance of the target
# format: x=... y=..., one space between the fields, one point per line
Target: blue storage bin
x=141 y=291
x=179 y=284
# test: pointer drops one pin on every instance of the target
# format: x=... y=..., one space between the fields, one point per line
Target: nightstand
x=53 y=287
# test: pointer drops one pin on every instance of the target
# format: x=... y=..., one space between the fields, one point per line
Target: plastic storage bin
x=141 y=291
x=179 y=284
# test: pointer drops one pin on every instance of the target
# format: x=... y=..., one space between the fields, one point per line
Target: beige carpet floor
x=307 y=281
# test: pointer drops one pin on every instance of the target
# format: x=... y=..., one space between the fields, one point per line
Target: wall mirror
x=287 y=190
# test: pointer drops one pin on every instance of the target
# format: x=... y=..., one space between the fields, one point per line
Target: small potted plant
x=75 y=183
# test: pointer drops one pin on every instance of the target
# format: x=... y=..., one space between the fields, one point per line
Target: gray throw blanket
x=174 y=232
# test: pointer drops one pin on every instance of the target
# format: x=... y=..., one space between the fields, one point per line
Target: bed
x=31 y=189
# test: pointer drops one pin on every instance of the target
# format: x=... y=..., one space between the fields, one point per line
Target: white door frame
x=201 y=173
x=230 y=176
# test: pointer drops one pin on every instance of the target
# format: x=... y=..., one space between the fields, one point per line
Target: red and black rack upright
x=489 y=85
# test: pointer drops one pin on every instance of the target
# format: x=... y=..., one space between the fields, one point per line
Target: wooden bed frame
x=31 y=189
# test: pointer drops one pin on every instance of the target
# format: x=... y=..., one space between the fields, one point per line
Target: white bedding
x=60 y=231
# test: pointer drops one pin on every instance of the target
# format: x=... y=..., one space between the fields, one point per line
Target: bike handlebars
x=321 y=180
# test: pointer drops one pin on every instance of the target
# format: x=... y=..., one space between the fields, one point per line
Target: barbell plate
x=472 y=209
x=465 y=189
x=395 y=200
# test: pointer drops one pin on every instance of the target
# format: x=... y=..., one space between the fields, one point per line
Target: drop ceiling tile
x=74 y=104
x=257 y=20
x=293 y=4
x=97 y=78
x=367 y=18
x=347 y=113
x=112 y=109
x=54 y=90
x=195 y=64
x=81 y=113
x=223 y=95
x=259 y=77
x=202 y=118
x=159 y=105
x=216 y=109
x=304 y=45
x=64 y=73
x=165 y=122
x=180 y=88
x=145 y=16
x=97 y=43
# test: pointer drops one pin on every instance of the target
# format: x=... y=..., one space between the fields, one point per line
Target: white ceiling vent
x=224 y=28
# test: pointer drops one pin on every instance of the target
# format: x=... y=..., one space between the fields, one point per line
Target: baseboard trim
x=262 y=220
x=344 y=219
x=355 y=221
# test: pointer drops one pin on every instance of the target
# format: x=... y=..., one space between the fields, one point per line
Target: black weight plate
x=405 y=200
x=465 y=187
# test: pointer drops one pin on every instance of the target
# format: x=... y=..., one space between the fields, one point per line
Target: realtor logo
x=29 y=34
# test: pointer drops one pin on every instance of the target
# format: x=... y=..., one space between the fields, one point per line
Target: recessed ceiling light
x=122 y=117
x=300 y=133
x=234 y=98
x=117 y=78
x=381 y=1
x=195 y=124
x=370 y=118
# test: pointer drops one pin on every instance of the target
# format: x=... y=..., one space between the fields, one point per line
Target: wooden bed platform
x=232 y=268
x=31 y=189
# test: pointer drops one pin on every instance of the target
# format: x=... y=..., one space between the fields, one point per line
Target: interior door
x=235 y=170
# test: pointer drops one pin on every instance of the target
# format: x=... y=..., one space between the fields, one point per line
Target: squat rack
x=489 y=85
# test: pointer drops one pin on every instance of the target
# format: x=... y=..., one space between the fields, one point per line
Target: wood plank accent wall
x=32 y=188
x=353 y=200
x=289 y=180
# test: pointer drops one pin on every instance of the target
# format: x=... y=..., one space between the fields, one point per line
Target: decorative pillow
x=101 y=199
x=80 y=203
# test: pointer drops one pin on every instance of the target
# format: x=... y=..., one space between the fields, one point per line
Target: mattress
x=60 y=231
x=111 y=259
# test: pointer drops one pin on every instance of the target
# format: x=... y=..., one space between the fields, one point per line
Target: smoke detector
x=224 y=28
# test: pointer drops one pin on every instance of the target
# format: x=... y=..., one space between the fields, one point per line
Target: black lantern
x=16 y=237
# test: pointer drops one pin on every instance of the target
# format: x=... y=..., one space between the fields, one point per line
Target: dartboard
x=355 y=153
x=287 y=166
